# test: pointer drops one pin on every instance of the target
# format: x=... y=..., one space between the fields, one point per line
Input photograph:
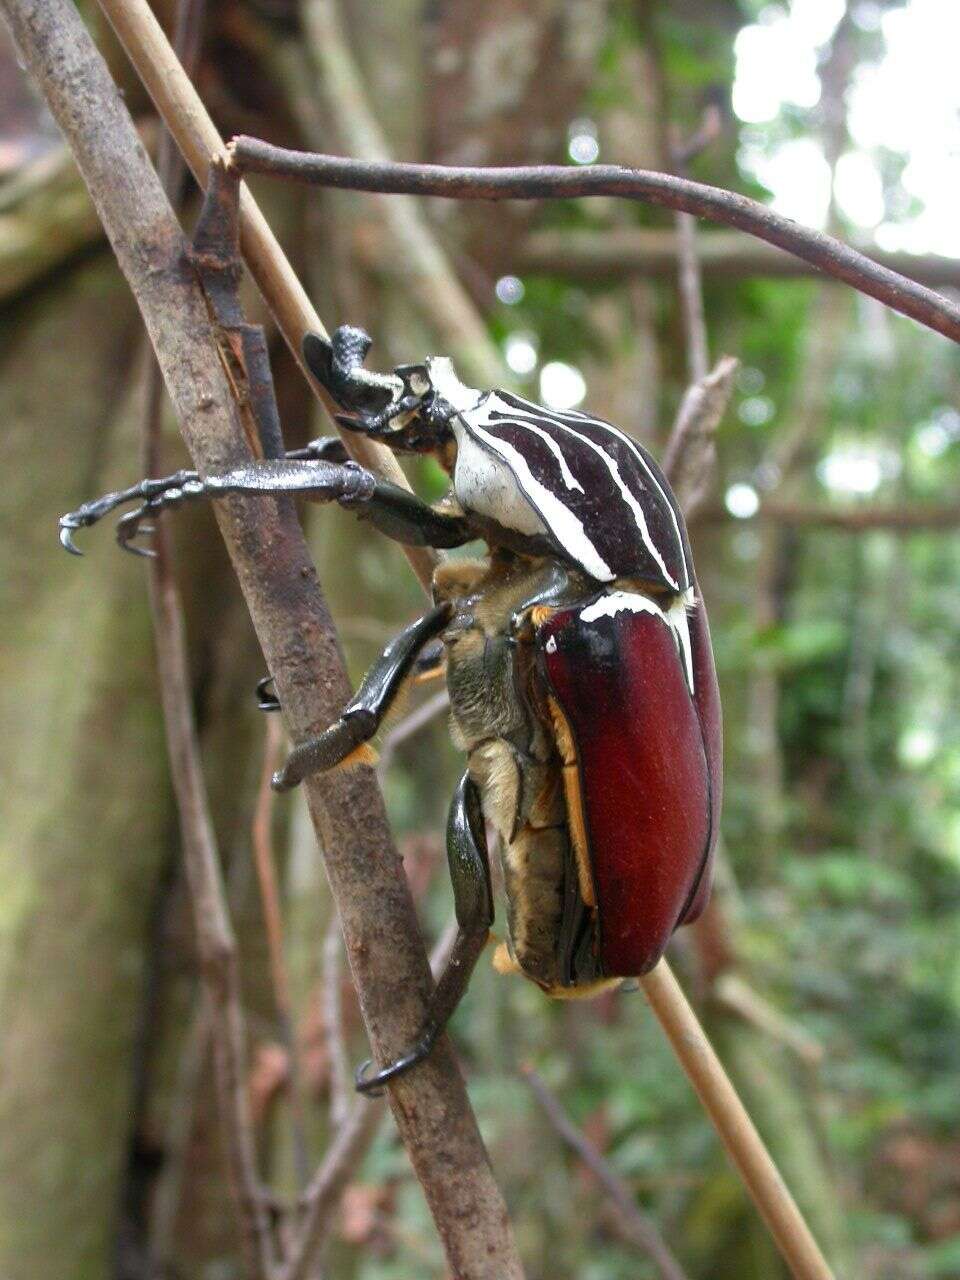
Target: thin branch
x=738 y=996
x=639 y=1227
x=195 y=134
x=555 y=182
x=263 y=855
x=295 y=631
x=342 y=1098
x=618 y=252
x=689 y=460
x=737 y=1131
x=411 y=724
x=689 y=276
x=690 y=286
x=897 y=520
x=177 y=1135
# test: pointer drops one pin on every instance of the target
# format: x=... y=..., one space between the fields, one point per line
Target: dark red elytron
x=647 y=761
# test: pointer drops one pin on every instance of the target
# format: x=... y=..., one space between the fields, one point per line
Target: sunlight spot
x=858 y=469
x=935 y=437
x=561 y=385
x=742 y=501
x=859 y=189
x=510 y=290
x=582 y=144
x=520 y=350
x=917 y=746
x=756 y=410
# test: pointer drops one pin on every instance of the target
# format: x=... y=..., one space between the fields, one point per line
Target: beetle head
x=420 y=419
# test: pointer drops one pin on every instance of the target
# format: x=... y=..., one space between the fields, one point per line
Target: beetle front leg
x=395 y=511
x=363 y=714
x=469 y=864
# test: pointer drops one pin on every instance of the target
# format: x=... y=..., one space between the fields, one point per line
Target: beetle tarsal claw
x=67 y=527
x=364 y=1086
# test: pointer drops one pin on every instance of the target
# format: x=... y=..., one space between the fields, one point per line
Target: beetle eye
x=415 y=378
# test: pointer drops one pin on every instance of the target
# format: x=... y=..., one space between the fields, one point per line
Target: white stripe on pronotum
x=535 y=411
x=558 y=517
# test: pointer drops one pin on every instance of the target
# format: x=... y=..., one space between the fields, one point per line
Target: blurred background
x=828 y=967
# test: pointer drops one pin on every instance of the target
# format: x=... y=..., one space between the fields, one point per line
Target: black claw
x=267 y=699
x=280 y=783
x=66 y=537
x=368 y=1088
x=130 y=527
x=146 y=552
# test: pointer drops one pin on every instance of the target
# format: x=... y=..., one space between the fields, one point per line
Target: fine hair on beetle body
x=577 y=657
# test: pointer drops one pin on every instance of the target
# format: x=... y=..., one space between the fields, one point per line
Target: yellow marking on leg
x=583 y=991
x=432 y=673
x=539 y=614
x=503 y=962
x=574 y=799
x=364 y=754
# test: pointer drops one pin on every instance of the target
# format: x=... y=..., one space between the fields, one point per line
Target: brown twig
x=736 y=1129
x=261 y=833
x=342 y=1097
x=639 y=1227
x=897 y=520
x=411 y=724
x=297 y=636
x=689 y=459
x=553 y=182
x=617 y=252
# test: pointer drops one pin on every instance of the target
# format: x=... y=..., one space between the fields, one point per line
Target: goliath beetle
x=578 y=660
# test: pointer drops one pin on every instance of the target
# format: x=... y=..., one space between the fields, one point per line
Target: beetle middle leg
x=363 y=714
x=469 y=864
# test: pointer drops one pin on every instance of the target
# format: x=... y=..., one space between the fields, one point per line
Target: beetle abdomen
x=617 y=669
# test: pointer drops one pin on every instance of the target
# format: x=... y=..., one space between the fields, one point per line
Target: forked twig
x=640 y=1229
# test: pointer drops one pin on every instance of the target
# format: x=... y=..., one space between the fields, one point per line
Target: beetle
x=577 y=654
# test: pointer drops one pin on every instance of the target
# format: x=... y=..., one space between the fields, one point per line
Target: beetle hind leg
x=473 y=898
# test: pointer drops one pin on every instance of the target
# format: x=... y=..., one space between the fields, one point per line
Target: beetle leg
x=473 y=899
x=363 y=714
x=399 y=514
